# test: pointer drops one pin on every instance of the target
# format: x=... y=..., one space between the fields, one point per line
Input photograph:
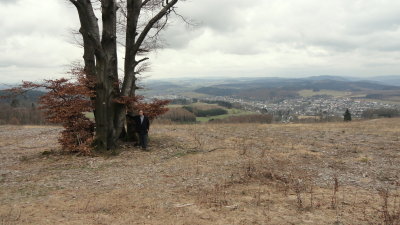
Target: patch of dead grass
x=255 y=174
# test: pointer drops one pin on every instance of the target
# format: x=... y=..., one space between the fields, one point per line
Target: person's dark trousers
x=143 y=140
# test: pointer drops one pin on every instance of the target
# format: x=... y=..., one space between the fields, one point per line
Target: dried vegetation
x=330 y=173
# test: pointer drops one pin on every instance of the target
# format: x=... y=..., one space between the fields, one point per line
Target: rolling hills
x=264 y=88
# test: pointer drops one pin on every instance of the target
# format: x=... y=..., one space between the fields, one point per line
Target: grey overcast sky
x=288 y=38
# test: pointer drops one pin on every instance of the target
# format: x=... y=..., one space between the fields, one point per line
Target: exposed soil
x=208 y=174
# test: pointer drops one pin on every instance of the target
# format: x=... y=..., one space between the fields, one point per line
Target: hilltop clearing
x=327 y=173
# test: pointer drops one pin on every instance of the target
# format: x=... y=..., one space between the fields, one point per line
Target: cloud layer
x=232 y=38
x=35 y=40
x=289 y=38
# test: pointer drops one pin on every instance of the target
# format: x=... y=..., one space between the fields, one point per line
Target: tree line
x=205 y=112
x=382 y=112
x=21 y=115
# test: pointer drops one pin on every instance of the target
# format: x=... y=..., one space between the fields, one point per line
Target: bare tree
x=138 y=23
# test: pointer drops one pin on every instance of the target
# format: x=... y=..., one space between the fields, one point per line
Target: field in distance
x=392 y=97
x=228 y=112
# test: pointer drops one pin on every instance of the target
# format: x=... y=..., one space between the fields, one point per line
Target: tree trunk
x=131 y=131
x=101 y=108
x=100 y=56
x=133 y=12
x=108 y=73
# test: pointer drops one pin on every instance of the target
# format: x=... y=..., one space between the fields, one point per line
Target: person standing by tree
x=136 y=24
x=142 y=128
x=347 y=116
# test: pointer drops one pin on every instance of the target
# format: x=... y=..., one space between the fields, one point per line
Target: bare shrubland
x=323 y=173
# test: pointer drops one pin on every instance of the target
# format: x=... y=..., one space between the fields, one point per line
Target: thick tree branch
x=160 y=27
x=142 y=60
x=133 y=12
x=109 y=38
x=144 y=3
x=89 y=27
x=151 y=23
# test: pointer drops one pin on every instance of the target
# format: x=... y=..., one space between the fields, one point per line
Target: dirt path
x=207 y=174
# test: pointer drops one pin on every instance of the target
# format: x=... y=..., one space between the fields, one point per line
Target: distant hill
x=27 y=98
x=256 y=87
x=287 y=86
x=6 y=86
x=266 y=87
x=328 y=77
x=388 y=80
x=161 y=85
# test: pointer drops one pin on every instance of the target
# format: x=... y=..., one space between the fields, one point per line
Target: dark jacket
x=141 y=127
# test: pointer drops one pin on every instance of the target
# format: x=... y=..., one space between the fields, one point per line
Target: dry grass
x=330 y=173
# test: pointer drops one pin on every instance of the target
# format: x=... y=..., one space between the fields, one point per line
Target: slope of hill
x=258 y=88
x=331 y=173
x=388 y=80
x=270 y=88
x=26 y=99
x=296 y=85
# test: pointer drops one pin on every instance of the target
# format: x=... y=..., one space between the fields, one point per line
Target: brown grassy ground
x=208 y=174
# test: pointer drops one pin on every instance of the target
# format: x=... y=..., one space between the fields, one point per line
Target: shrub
x=382 y=112
x=67 y=101
x=347 y=115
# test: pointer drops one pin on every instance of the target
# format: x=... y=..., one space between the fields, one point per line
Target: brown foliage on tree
x=65 y=103
x=133 y=105
x=151 y=109
x=69 y=100
x=136 y=25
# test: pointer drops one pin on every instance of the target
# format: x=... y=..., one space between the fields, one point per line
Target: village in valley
x=323 y=106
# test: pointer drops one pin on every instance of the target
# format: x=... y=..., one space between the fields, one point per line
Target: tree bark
x=133 y=42
x=108 y=74
x=106 y=67
x=89 y=29
x=91 y=36
x=100 y=57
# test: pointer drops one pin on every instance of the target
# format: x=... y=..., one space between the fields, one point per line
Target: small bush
x=382 y=112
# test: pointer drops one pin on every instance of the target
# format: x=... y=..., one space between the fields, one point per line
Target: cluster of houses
x=303 y=106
